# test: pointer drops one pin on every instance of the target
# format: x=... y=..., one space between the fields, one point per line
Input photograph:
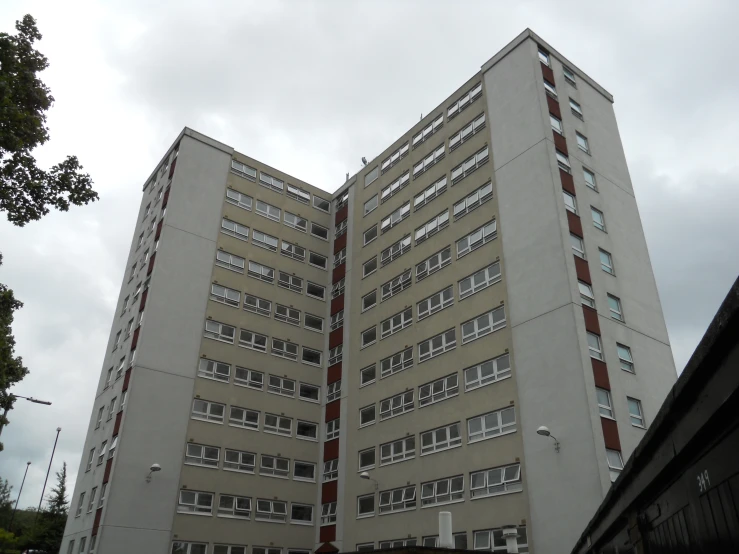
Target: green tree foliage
x=48 y=531
x=6 y=503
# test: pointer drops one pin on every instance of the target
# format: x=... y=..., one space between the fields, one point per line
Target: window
x=442 y=491
x=589 y=177
x=238 y=460
x=370 y=235
x=606 y=262
x=371 y=176
x=440 y=439
x=396 y=186
x=397 y=362
x=435 y=302
x=493 y=540
x=432 y=264
x=252 y=340
x=102 y=408
x=615 y=463
x=125 y=305
x=337 y=320
x=432 y=159
x=427 y=131
x=234 y=229
x=284 y=349
x=367 y=375
x=244 y=170
x=318 y=231
x=262 y=272
x=396 y=250
x=306 y=430
x=614 y=305
x=398 y=500
x=313 y=322
x=91 y=504
x=366 y=505
x=238 y=199
x=288 y=315
x=394 y=158
x=330 y=470
x=556 y=124
x=470 y=165
x=475 y=199
x=479 y=280
x=396 y=405
x=467 y=132
x=180 y=547
x=436 y=189
x=219 y=331
x=211 y=369
x=594 y=346
x=117 y=339
x=397 y=543
x=264 y=240
x=309 y=392
x=438 y=390
x=569 y=75
x=273 y=465
x=302 y=514
x=483 y=324
x=230 y=261
x=271 y=510
x=80 y=505
x=199 y=455
x=492 y=424
x=291 y=282
x=316 y=291
x=460 y=541
x=111 y=407
x=371 y=204
x=396 y=217
x=341 y=228
x=268 y=211
x=570 y=202
x=367 y=458
x=396 y=323
x=83 y=543
x=295 y=221
x=576 y=109
x=294 y=251
x=367 y=415
x=605 y=406
x=432 y=226
x=328 y=513
x=396 y=285
x=499 y=480
x=563 y=161
x=335 y=355
x=369 y=267
x=464 y=101
x=332 y=429
x=208 y=411
x=271 y=182
x=582 y=143
x=266 y=550
x=225 y=295
x=296 y=193
x=278 y=424
x=599 y=220
x=242 y=417
x=550 y=89
x=238 y=507
x=578 y=247
x=195 y=502
x=544 y=57
x=477 y=238
x=437 y=345
x=337 y=289
x=103 y=488
x=624 y=357
x=90 y=459
x=636 y=415
x=281 y=385
x=333 y=391
x=586 y=294
x=257 y=305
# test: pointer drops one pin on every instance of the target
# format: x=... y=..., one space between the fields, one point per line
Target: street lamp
x=9 y=404
x=10 y=527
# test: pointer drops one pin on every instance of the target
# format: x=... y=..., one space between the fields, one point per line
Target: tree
x=49 y=529
x=6 y=504
x=27 y=191
x=58 y=503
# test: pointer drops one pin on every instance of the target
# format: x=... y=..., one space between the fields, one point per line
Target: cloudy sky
x=311 y=87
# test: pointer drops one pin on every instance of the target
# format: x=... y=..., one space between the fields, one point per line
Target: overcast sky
x=310 y=87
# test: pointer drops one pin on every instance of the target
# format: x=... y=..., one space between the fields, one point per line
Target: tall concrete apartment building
x=320 y=372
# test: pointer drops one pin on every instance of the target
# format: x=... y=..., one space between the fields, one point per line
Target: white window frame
x=582 y=142
x=313 y=388
x=213 y=369
x=615 y=308
x=341 y=228
x=197 y=455
x=576 y=109
x=267 y=210
x=281 y=385
x=592 y=183
x=578 y=246
x=328 y=512
x=306 y=427
x=605 y=403
x=295 y=221
x=570 y=202
x=470 y=165
x=293 y=251
x=428 y=131
x=264 y=240
x=367 y=464
x=208 y=410
x=396 y=323
x=495 y=481
x=284 y=349
x=226 y=260
x=395 y=250
x=261 y=272
x=257 y=305
x=637 y=419
x=323 y=201
x=448 y=490
x=337 y=289
x=599 y=219
x=253 y=341
x=333 y=429
x=337 y=320
x=397 y=405
x=497 y=429
x=315 y=225
x=429 y=161
x=290 y=282
x=487 y=372
x=473 y=200
x=198 y=505
x=467 y=132
x=317 y=324
x=308 y=293
x=274 y=511
x=464 y=101
x=435 y=303
x=225 y=295
x=395 y=217
x=397 y=284
x=371 y=176
x=244 y=377
x=432 y=226
x=550 y=89
x=398 y=450
x=401 y=499
x=607 y=265
x=272 y=183
x=363 y=512
x=335 y=355
x=396 y=186
x=240 y=462
x=219 y=331
x=615 y=463
x=367 y=272
x=479 y=280
x=276 y=425
x=244 y=170
x=274 y=466
x=394 y=158
x=556 y=124
x=438 y=390
x=287 y=314
x=330 y=470
x=295 y=521
x=436 y=189
x=446 y=340
x=397 y=362
x=477 y=238
x=625 y=357
x=367 y=375
x=367 y=415
x=371 y=204
x=563 y=161
x=373 y=232
x=237 y=230
x=595 y=346
x=240 y=507
x=587 y=296
x=333 y=391
x=483 y=325
x=296 y=193
x=340 y=257
x=441 y=438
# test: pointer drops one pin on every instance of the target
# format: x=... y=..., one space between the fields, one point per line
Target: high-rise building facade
x=291 y=370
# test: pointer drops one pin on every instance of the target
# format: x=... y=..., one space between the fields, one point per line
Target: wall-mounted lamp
x=545 y=432
x=153 y=469
x=365 y=475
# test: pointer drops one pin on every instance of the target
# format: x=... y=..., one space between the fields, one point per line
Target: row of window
x=240 y=507
x=185 y=547
x=89 y=503
x=491 y=540
x=605 y=407
x=588 y=299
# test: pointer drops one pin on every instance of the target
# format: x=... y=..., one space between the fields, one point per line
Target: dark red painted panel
x=108 y=467
x=583 y=270
x=117 y=426
x=600 y=374
x=329 y=492
x=591 y=320
x=338 y=273
x=336 y=337
x=333 y=373
x=340 y=243
x=327 y=534
x=560 y=142
x=171 y=168
x=151 y=263
x=573 y=222
x=135 y=339
x=554 y=107
x=610 y=434
x=333 y=409
x=548 y=73
x=327 y=548
x=342 y=214
x=142 y=305
x=126 y=379
x=337 y=304
x=96 y=524
x=159 y=229
x=166 y=198
x=331 y=450
x=568 y=183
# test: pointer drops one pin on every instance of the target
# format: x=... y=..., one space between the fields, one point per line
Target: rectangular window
x=234 y=229
x=624 y=357
x=582 y=143
x=340 y=257
x=80 y=505
x=576 y=109
x=437 y=345
x=321 y=204
x=586 y=294
x=396 y=186
x=367 y=375
x=264 y=550
x=605 y=406
x=369 y=267
x=370 y=235
x=308 y=392
x=333 y=391
x=443 y=491
x=544 y=57
x=429 y=161
x=435 y=303
x=274 y=466
x=589 y=177
x=181 y=547
x=594 y=346
x=342 y=200
x=341 y=228
x=556 y=124
x=394 y=158
x=257 y=305
x=369 y=336
x=337 y=320
x=397 y=362
x=483 y=324
x=291 y=282
x=570 y=202
x=229 y=261
x=330 y=470
x=286 y=314
x=398 y=500
x=606 y=262
x=270 y=510
x=371 y=176
x=397 y=451
x=301 y=514
x=460 y=541
x=367 y=458
x=294 y=251
x=237 y=507
x=195 y=502
x=578 y=246
x=233 y=549
x=296 y=193
x=435 y=190
x=264 y=240
x=464 y=101
x=333 y=428
x=103 y=450
x=219 y=331
x=367 y=415
x=313 y=322
x=495 y=481
x=91 y=504
x=211 y=369
x=492 y=424
x=440 y=439
x=474 y=200
x=244 y=170
x=636 y=415
x=281 y=385
x=102 y=408
x=433 y=263
x=467 y=132
x=477 y=238
x=569 y=75
x=262 y=272
x=432 y=226
x=238 y=460
x=397 y=284
x=396 y=323
x=550 y=89
x=252 y=340
x=199 y=455
x=278 y=424
x=479 y=280
x=470 y=165
x=284 y=349
x=271 y=182
x=335 y=355
x=319 y=231
x=438 y=390
x=615 y=463
x=366 y=505
x=317 y=260
x=396 y=250
x=268 y=210
x=306 y=430
x=90 y=459
x=316 y=291
x=328 y=513
x=427 y=131
x=225 y=295
x=396 y=543
x=563 y=161
x=396 y=217
x=599 y=220
x=208 y=411
x=295 y=221
x=371 y=204
x=337 y=289
x=396 y=405
x=614 y=305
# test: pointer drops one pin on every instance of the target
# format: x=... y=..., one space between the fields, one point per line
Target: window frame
x=405 y=361
x=438 y=443
x=626 y=363
x=498 y=430
x=616 y=308
x=449 y=390
x=449 y=342
x=423 y=312
x=637 y=419
x=509 y=485
x=406 y=502
x=605 y=403
x=595 y=346
x=407 y=451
